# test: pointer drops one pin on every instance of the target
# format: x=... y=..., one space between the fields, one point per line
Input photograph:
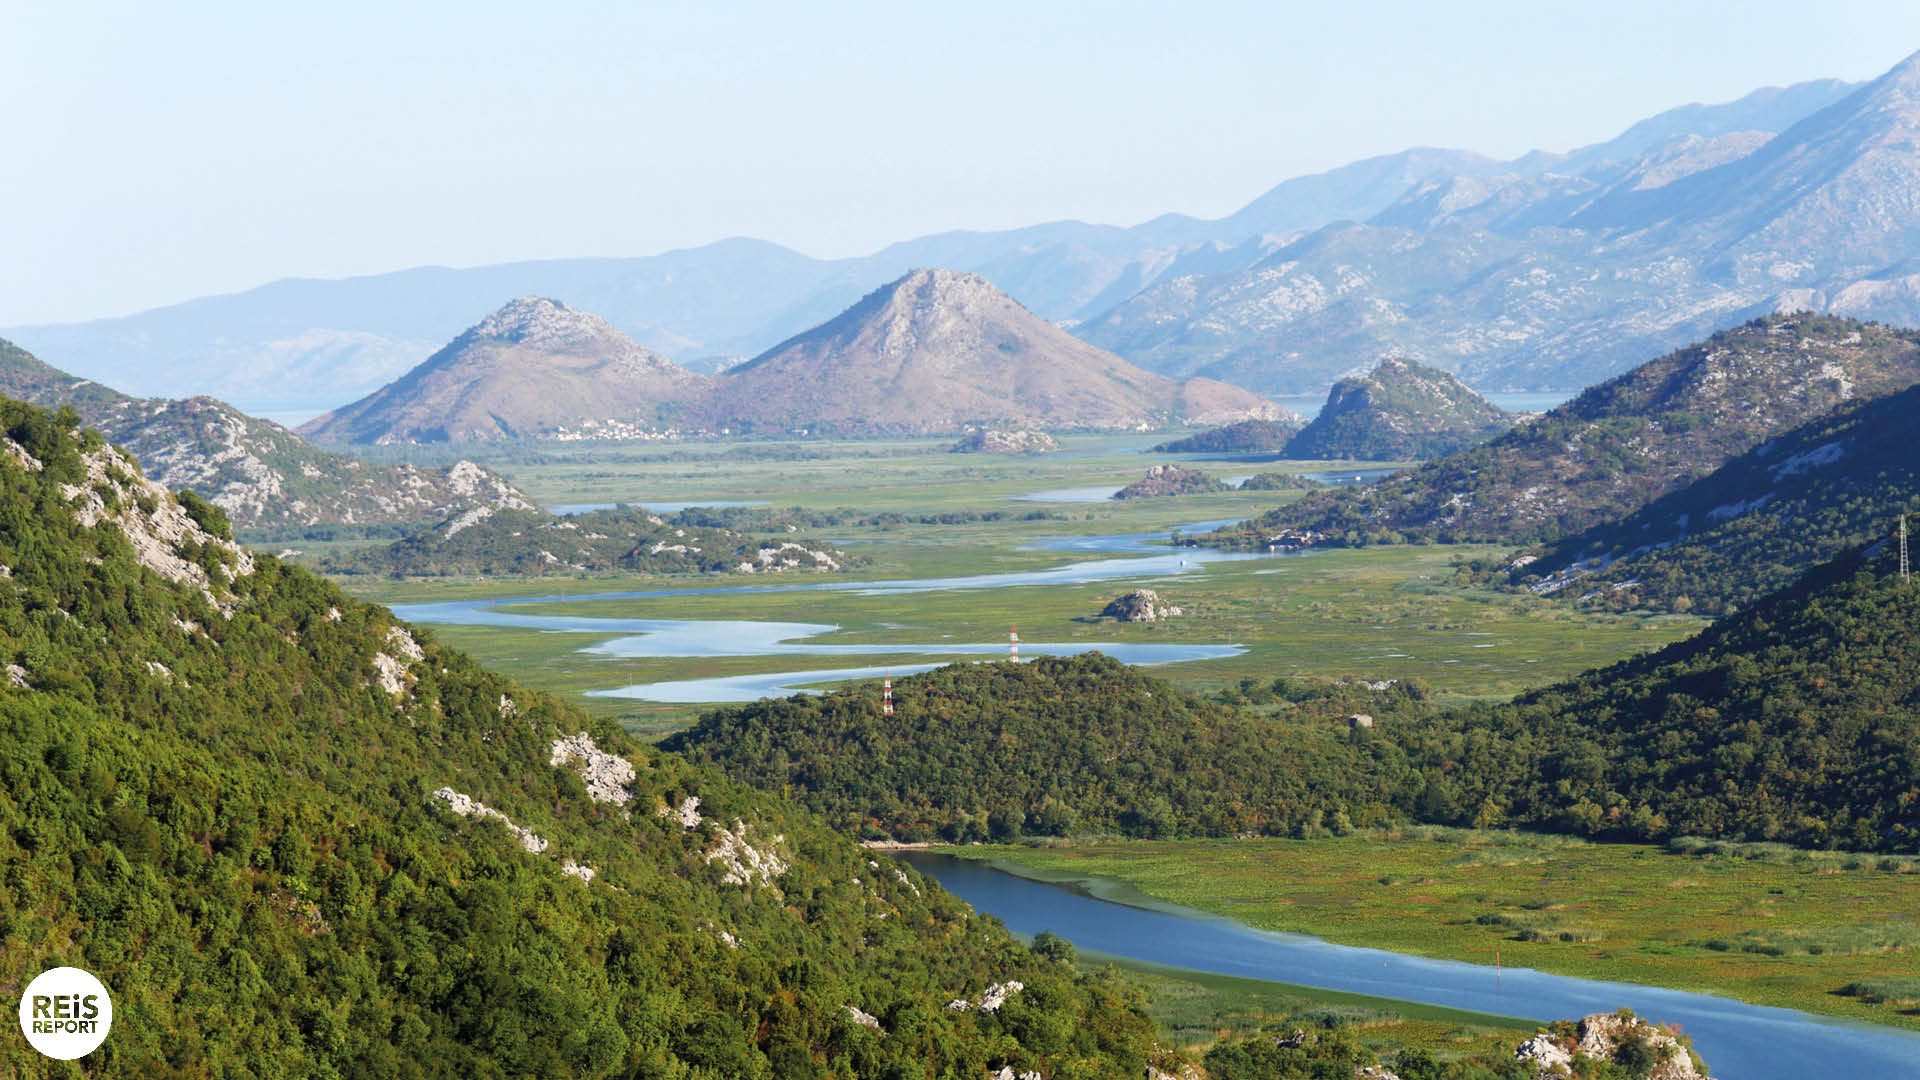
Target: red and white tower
x=1013 y=644
x=886 y=695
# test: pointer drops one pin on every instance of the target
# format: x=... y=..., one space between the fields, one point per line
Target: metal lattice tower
x=886 y=695
x=1903 y=547
x=1013 y=644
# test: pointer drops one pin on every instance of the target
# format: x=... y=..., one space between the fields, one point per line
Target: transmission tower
x=1013 y=644
x=886 y=695
x=1903 y=547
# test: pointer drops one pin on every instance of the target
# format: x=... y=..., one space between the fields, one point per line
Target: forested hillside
x=1056 y=746
x=1754 y=524
x=297 y=839
x=1618 y=446
x=1796 y=720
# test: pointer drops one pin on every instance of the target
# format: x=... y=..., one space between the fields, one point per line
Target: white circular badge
x=65 y=1013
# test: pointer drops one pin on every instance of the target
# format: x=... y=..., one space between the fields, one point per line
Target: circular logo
x=65 y=1013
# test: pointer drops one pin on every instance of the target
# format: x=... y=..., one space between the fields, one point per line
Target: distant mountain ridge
x=533 y=367
x=1620 y=445
x=1399 y=411
x=314 y=344
x=1754 y=524
x=1557 y=273
x=934 y=352
x=262 y=475
x=939 y=350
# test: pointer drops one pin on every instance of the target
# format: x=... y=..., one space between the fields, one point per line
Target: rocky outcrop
x=742 y=863
x=606 y=775
x=468 y=806
x=988 y=441
x=165 y=537
x=1140 y=605
x=1165 y=480
x=259 y=473
x=1613 y=1038
x=393 y=665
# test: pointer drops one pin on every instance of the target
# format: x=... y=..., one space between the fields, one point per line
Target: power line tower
x=886 y=695
x=1903 y=547
x=1013 y=644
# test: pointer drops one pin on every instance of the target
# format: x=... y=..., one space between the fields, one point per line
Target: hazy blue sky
x=153 y=152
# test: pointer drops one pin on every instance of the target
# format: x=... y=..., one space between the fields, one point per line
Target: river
x=1135 y=557
x=1739 y=1041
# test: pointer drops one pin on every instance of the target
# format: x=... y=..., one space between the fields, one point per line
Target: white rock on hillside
x=742 y=863
x=606 y=775
x=159 y=535
x=468 y=806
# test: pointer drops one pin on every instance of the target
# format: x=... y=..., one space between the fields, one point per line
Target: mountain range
x=1754 y=524
x=935 y=351
x=261 y=475
x=1618 y=446
x=1549 y=270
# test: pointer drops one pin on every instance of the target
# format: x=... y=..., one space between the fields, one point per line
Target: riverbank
x=1758 y=924
x=1197 y=1009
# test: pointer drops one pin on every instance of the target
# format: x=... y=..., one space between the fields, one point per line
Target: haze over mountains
x=933 y=352
x=1547 y=271
x=1618 y=446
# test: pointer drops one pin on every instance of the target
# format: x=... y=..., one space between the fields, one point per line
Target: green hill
x=1399 y=411
x=1244 y=437
x=1797 y=719
x=1754 y=524
x=1056 y=746
x=298 y=839
x=265 y=477
x=1616 y=447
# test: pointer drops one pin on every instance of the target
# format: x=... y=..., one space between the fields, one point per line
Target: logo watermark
x=65 y=1013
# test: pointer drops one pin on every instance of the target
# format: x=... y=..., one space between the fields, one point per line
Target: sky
x=150 y=153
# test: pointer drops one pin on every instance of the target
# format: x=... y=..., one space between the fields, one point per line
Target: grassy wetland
x=1382 y=613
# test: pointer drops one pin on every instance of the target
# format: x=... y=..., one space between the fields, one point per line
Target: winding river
x=1135 y=557
x=1739 y=1041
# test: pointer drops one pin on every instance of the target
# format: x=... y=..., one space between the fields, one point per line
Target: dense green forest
x=1616 y=447
x=1059 y=746
x=1753 y=525
x=1797 y=720
x=296 y=840
x=493 y=542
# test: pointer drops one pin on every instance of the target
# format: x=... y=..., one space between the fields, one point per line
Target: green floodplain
x=1826 y=933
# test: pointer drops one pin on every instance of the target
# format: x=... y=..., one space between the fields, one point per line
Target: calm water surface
x=1739 y=1041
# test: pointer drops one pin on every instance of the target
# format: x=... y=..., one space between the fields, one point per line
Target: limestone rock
x=1140 y=605
x=988 y=441
x=1165 y=480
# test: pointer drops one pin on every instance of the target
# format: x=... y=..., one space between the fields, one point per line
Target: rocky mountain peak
x=536 y=320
